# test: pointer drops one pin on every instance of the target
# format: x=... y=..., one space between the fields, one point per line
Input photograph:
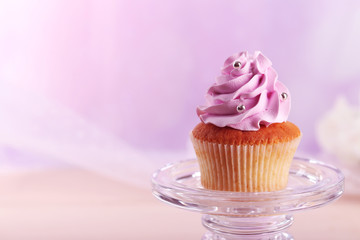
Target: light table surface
x=71 y=203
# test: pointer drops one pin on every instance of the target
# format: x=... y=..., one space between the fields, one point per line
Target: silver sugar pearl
x=237 y=64
x=240 y=108
x=284 y=96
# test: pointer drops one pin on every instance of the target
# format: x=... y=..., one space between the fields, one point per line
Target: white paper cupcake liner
x=245 y=168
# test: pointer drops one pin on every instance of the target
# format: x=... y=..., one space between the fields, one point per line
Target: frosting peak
x=246 y=95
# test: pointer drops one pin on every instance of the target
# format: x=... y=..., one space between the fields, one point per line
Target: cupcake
x=244 y=142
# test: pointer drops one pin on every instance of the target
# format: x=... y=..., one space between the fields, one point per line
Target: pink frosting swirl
x=246 y=95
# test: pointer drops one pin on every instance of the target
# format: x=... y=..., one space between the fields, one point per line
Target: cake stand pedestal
x=260 y=215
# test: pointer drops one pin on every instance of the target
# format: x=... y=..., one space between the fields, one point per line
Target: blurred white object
x=338 y=132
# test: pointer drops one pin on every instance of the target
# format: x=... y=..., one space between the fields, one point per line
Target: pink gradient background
x=136 y=70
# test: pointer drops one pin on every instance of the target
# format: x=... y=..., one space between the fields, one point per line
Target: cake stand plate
x=258 y=215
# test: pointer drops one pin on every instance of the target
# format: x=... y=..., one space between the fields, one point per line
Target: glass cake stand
x=259 y=215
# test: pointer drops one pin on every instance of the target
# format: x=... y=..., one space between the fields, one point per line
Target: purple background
x=138 y=69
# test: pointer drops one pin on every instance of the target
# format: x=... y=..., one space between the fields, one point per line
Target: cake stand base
x=253 y=215
x=270 y=236
x=256 y=228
